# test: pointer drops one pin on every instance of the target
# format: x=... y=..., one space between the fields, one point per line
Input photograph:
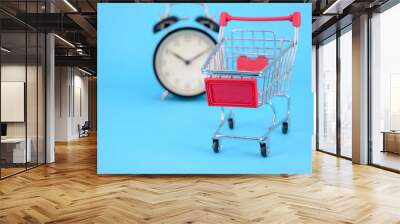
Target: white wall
x=80 y=111
x=13 y=101
x=62 y=83
x=71 y=102
x=12 y=73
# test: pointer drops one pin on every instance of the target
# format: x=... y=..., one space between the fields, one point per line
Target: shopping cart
x=247 y=69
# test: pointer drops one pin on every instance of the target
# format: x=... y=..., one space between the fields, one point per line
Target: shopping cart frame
x=282 y=92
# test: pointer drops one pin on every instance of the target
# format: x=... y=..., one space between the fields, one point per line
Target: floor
x=5 y=172
x=70 y=191
x=387 y=159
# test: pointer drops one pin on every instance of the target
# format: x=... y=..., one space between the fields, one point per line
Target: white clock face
x=179 y=58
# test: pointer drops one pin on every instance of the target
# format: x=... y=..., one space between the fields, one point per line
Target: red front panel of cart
x=231 y=92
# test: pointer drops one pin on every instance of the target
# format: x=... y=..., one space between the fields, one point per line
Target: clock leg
x=164 y=95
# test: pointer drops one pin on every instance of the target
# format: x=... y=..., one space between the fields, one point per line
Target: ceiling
x=75 y=22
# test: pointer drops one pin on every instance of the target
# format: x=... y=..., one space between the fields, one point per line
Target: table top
x=391 y=132
x=13 y=140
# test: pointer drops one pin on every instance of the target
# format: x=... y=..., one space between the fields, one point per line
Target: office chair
x=84 y=129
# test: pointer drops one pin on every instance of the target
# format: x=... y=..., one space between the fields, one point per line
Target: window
x=385 y=89
x=327 y=96
x=346 y=93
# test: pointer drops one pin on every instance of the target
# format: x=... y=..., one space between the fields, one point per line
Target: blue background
x=140 y=134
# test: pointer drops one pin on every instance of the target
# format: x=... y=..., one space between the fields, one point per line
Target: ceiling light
x=5 y=50
x=84 y=71
x=70 y=5
x=79 y=51
x=65 y=41
x=337 y=7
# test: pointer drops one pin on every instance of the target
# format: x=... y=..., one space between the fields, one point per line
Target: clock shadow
x=174 y=98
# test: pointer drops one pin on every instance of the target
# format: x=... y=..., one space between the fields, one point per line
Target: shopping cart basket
x=247 y=69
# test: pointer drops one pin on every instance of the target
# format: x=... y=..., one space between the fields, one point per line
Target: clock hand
x=179 y=57
x=198 y=55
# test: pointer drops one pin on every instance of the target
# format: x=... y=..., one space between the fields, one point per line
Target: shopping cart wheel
x=285 y=127
x=230 y=123
x=215 y=145
x=264 y=150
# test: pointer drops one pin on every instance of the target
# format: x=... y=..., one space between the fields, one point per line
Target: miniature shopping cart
x=247 y=69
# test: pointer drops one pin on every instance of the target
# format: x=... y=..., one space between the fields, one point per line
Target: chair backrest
x=86 y=125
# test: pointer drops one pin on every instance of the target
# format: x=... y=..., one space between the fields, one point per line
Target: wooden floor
x=5 y=172
x=386 y=159
x=70 y=191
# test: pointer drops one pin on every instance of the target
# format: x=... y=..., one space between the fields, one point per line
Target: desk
x=391 y=141
x=17 y=150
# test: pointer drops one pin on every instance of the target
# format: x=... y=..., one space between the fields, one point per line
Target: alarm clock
x=180 y=54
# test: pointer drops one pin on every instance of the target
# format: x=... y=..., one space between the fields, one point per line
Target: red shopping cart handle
x=295 y=18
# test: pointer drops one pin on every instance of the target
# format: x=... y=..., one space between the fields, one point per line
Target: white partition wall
x=22 y=89
x=14 y=146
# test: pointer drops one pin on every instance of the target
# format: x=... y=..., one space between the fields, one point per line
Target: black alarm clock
x=180 y=54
